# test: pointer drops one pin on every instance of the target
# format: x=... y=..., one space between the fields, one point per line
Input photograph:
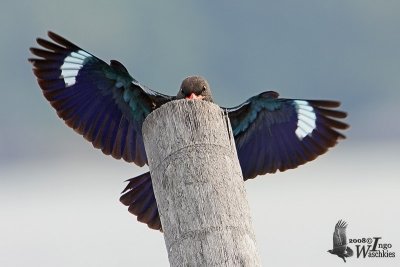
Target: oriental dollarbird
x=106 y=105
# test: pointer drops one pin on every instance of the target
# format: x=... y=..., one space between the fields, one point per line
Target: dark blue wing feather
x=274 y=133
x=100 y=101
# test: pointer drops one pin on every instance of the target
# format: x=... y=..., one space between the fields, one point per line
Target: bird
x=107 y=106
x=340 y=247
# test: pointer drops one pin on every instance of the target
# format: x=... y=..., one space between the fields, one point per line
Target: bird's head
x=195 y=87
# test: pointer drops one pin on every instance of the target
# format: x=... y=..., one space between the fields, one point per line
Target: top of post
x=182 y=123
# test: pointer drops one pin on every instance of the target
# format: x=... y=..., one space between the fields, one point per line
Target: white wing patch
x=71 y=66
x=305 y=119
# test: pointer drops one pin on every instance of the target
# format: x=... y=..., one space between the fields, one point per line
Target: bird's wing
x=274 y=133
x=102 y=102
x=339 y=236
x=341 y=228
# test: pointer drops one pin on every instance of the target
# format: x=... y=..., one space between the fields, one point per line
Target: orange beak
x=193 y=96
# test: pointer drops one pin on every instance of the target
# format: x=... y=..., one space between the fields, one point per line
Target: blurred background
x=59 y=196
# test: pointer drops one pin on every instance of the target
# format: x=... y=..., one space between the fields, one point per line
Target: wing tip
x=325 y=103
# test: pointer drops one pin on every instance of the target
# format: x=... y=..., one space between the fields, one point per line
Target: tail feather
x=138 y=195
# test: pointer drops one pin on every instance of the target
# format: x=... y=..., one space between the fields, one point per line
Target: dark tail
x=139 y=196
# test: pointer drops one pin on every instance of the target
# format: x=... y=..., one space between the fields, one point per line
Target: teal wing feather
x=274 y=133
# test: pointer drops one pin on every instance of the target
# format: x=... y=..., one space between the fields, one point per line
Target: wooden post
x=198 y=186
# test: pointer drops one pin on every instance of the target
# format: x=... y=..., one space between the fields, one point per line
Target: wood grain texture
x=198 y=186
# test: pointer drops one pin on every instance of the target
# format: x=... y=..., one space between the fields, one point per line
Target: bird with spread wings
x=340 y=247
x=107 y=106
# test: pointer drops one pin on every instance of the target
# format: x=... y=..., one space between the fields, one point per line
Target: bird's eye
x=204 y=88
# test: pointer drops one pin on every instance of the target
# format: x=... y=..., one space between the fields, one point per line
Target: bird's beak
x=193 y=96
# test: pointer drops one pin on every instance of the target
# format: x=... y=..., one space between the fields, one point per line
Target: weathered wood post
x=198 y=186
